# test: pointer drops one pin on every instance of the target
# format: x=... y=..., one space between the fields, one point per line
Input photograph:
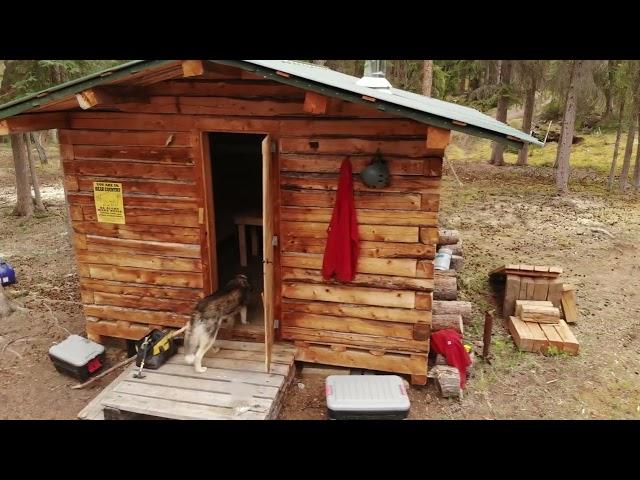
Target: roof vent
x=374 y=76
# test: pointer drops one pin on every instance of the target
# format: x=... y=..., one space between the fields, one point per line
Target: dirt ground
x=504 y=214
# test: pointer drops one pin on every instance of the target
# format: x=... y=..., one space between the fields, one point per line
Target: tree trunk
x=616 y=147
x=607 y=89
x=568 y=126
x=497 y=154
x=427 y=77
x=628 y=151
x=636 y=170
x=42 y=153
x=34 y=174
x=24 y=204
x=527 y=119
x=493 y=72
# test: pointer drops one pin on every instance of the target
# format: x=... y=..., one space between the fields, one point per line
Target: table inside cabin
x=253 y=220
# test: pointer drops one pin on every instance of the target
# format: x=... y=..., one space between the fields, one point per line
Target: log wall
x=151 y=271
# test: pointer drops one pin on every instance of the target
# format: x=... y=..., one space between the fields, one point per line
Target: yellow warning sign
x=108 y=199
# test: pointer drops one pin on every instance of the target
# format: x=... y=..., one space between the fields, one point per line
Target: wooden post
x=486 y=339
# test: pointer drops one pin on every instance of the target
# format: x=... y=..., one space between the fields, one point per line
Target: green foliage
x=29 y=76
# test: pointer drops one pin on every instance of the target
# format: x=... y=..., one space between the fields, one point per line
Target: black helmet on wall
x=377 y=174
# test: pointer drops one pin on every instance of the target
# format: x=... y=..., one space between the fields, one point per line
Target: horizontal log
x=403 y=267
x=448 y=237
x=183 y=235
x=353 y=146
x=347 y=325
x=442 y=307
x=329 y=182
x=145 y=201
x=116 y=329
x=150 y=216
x=172 y=188
x=34 y=122
x=360 y=280
x=362 y=340
x=425 y=269
x=138 y=275
x=354 y=295
x=367 y=200
x=367 y=217
x=134 y=289
x=134 y=315
x=388 y=314
x=367 y=249
x=144 y=302
x=144 y=138
x=131 y=170
x=225 y=88
x=447 y=321
x=106 y=95
x=358 y=358
x=445 y=288
x=331 y=164
x=163 y=155
x=149 y=262
x=376 y=233
x=95 y=243
x=130 y=121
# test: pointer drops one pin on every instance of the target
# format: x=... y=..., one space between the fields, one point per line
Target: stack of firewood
x=448 y=312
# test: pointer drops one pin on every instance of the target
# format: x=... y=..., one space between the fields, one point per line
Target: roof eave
x=58 y=92
x=381 y=105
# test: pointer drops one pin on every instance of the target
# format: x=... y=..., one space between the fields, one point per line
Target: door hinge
x=276 y=323
x=200 y=215
x=274 y=241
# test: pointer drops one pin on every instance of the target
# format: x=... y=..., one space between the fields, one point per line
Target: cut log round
x=441 y=307
x=456 y=248
x=443 y=322
x=445 y=288
x=457 y=262
x=448 y=237
x=448 y=379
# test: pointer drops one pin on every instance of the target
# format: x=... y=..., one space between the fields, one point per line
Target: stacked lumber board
x=537 y=326
x=536 y=282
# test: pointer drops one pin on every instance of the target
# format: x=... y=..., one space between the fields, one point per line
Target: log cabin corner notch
x=225 y=162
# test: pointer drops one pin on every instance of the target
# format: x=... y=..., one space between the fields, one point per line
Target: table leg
x=242 y=244
x=254 y=241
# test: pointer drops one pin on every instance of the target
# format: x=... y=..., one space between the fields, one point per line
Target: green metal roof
x=315 y=78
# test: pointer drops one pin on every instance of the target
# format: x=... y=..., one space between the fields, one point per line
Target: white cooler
x=371 y=397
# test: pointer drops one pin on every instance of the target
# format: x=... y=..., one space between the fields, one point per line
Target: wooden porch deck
x=234 y=387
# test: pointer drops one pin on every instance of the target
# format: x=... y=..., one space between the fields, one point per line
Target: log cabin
x=227 y=166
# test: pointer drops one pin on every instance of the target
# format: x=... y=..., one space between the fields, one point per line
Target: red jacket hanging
x=449 y=344
x=341 y=250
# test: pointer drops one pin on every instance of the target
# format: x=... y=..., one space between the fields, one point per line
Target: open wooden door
x=268 y=248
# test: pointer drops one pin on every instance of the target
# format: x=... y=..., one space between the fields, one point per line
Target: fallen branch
x=55 y=319
x=602 y=230
x=454 y=172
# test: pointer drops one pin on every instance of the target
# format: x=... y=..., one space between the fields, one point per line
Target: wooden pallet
x=234 y=387
x=538 y=337
x=414 y=364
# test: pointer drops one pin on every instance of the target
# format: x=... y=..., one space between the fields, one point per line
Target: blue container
x=7 y=274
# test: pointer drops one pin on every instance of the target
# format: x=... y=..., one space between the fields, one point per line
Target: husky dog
x=209 y=315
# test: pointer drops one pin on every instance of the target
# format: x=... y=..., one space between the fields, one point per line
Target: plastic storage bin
x=352 y=397
x=78 y=357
